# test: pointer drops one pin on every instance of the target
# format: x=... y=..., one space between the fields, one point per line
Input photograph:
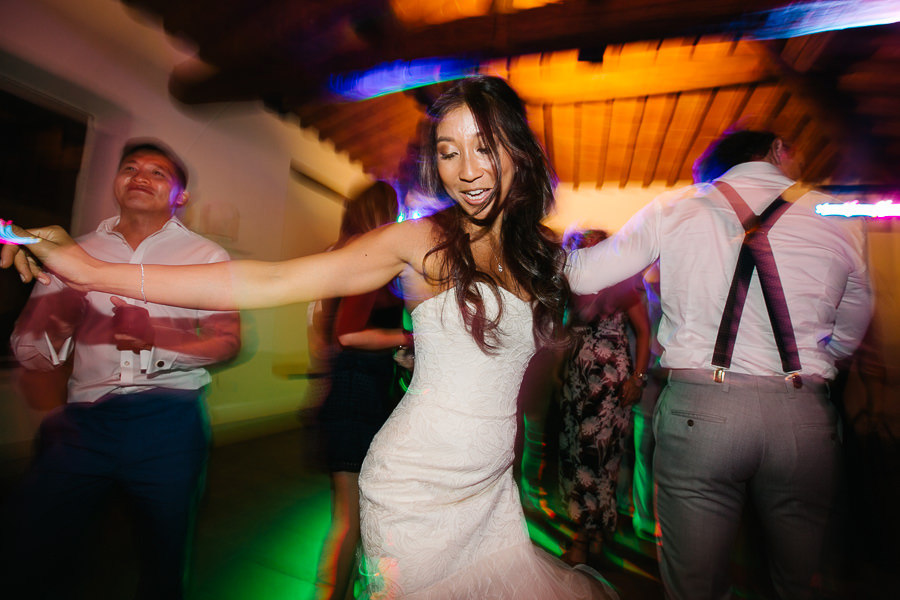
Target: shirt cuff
x=58 y=358
x=156 y=360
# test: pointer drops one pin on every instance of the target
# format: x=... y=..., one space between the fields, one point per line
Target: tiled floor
x=265 y=514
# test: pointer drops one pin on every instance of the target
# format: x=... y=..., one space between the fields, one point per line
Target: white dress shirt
x=99 y=368
x=697 y=236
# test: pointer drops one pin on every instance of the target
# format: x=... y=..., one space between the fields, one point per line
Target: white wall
x=101 y=59
x=607 y=208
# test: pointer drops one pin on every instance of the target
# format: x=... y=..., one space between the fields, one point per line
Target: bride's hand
x=56 y=251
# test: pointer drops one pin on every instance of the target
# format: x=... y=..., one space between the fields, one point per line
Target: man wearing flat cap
x=134 y=420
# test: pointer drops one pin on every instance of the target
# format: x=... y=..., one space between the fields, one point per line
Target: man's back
x=819 y=261
x=751 y=430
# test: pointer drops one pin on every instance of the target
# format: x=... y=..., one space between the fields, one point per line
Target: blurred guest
x=135 y=420
x=366 y=330
x=643 y=517
x=759 y=298
x=600 y=385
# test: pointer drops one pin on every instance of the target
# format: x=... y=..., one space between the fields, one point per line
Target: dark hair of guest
x=529 y=249
x=373 y=207
x=154 y=146
x=731 y=149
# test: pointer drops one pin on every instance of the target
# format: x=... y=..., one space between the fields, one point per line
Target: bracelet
x=142 y=284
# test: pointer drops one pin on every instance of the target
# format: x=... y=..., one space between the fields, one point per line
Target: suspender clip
x=719 y=375
x=795 y=380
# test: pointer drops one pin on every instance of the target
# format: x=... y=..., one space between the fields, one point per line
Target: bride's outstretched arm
x=366 y=264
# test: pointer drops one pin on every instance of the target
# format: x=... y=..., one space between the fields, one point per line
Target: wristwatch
x=642 y=377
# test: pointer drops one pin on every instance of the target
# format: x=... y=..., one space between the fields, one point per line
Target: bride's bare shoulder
x=417 y=236
x=422 y=226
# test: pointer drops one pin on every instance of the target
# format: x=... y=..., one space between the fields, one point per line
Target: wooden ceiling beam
x=671 y=101
x=628 y=160
x=317 y=39
x=836 y=92
x=311 y=114
x=825 y=104
x=880 y=78
x=579 y=24
x=880 y=106
x=576 y=146
x=604 y=143
x=802 y=53
x=678 y=167
x=353 y=118
x=240 y=32
x=652 y=74
x=377 y=128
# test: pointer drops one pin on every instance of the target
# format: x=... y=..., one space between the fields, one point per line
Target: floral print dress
x=595 y=426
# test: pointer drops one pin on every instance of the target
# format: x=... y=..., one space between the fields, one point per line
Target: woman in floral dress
x=599 y=388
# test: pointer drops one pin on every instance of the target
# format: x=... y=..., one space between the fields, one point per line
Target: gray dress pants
x=718 y=444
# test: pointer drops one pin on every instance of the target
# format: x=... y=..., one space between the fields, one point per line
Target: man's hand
x=132 y=328
x=67 y=313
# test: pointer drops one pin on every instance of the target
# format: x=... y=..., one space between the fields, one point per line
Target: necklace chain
x=499 y=264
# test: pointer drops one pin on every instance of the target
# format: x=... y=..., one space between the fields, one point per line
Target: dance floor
x=266 y=510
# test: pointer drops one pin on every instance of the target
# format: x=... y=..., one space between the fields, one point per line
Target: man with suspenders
x=760 y=296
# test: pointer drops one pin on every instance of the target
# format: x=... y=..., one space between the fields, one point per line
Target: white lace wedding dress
x=441 y=517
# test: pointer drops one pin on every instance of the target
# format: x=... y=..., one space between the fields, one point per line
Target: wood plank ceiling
x=621 y=92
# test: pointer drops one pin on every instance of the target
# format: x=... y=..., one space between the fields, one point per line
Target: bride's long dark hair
x=530 y=250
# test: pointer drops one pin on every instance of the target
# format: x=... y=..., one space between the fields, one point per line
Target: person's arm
x=43 y=336
x=353 y=313
x=351 y=322
x=187 y=342
x=217 y=339
x=853 y=316
x=365 y=264
x=856 y=307
x=374 y=339
x=618 y=257
x=640 y=323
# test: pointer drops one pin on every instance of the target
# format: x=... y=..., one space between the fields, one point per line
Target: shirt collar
x=758 y=169
x=108 y=226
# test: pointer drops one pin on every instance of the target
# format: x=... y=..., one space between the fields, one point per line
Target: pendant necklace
x=499 y=264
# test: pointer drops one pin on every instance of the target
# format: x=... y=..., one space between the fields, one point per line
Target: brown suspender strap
x=756 y=253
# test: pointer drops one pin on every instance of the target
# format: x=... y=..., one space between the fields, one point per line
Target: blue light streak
x=806 y=18
x=884 y=208
x=400 y=75
x=8 y=237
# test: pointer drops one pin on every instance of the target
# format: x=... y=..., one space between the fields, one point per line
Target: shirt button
x=127 y=363
x=690 y=422
x=160 y=364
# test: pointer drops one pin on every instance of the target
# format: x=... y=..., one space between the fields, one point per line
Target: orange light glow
x=413 y=13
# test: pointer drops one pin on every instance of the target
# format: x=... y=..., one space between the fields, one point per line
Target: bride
x=483 y=281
